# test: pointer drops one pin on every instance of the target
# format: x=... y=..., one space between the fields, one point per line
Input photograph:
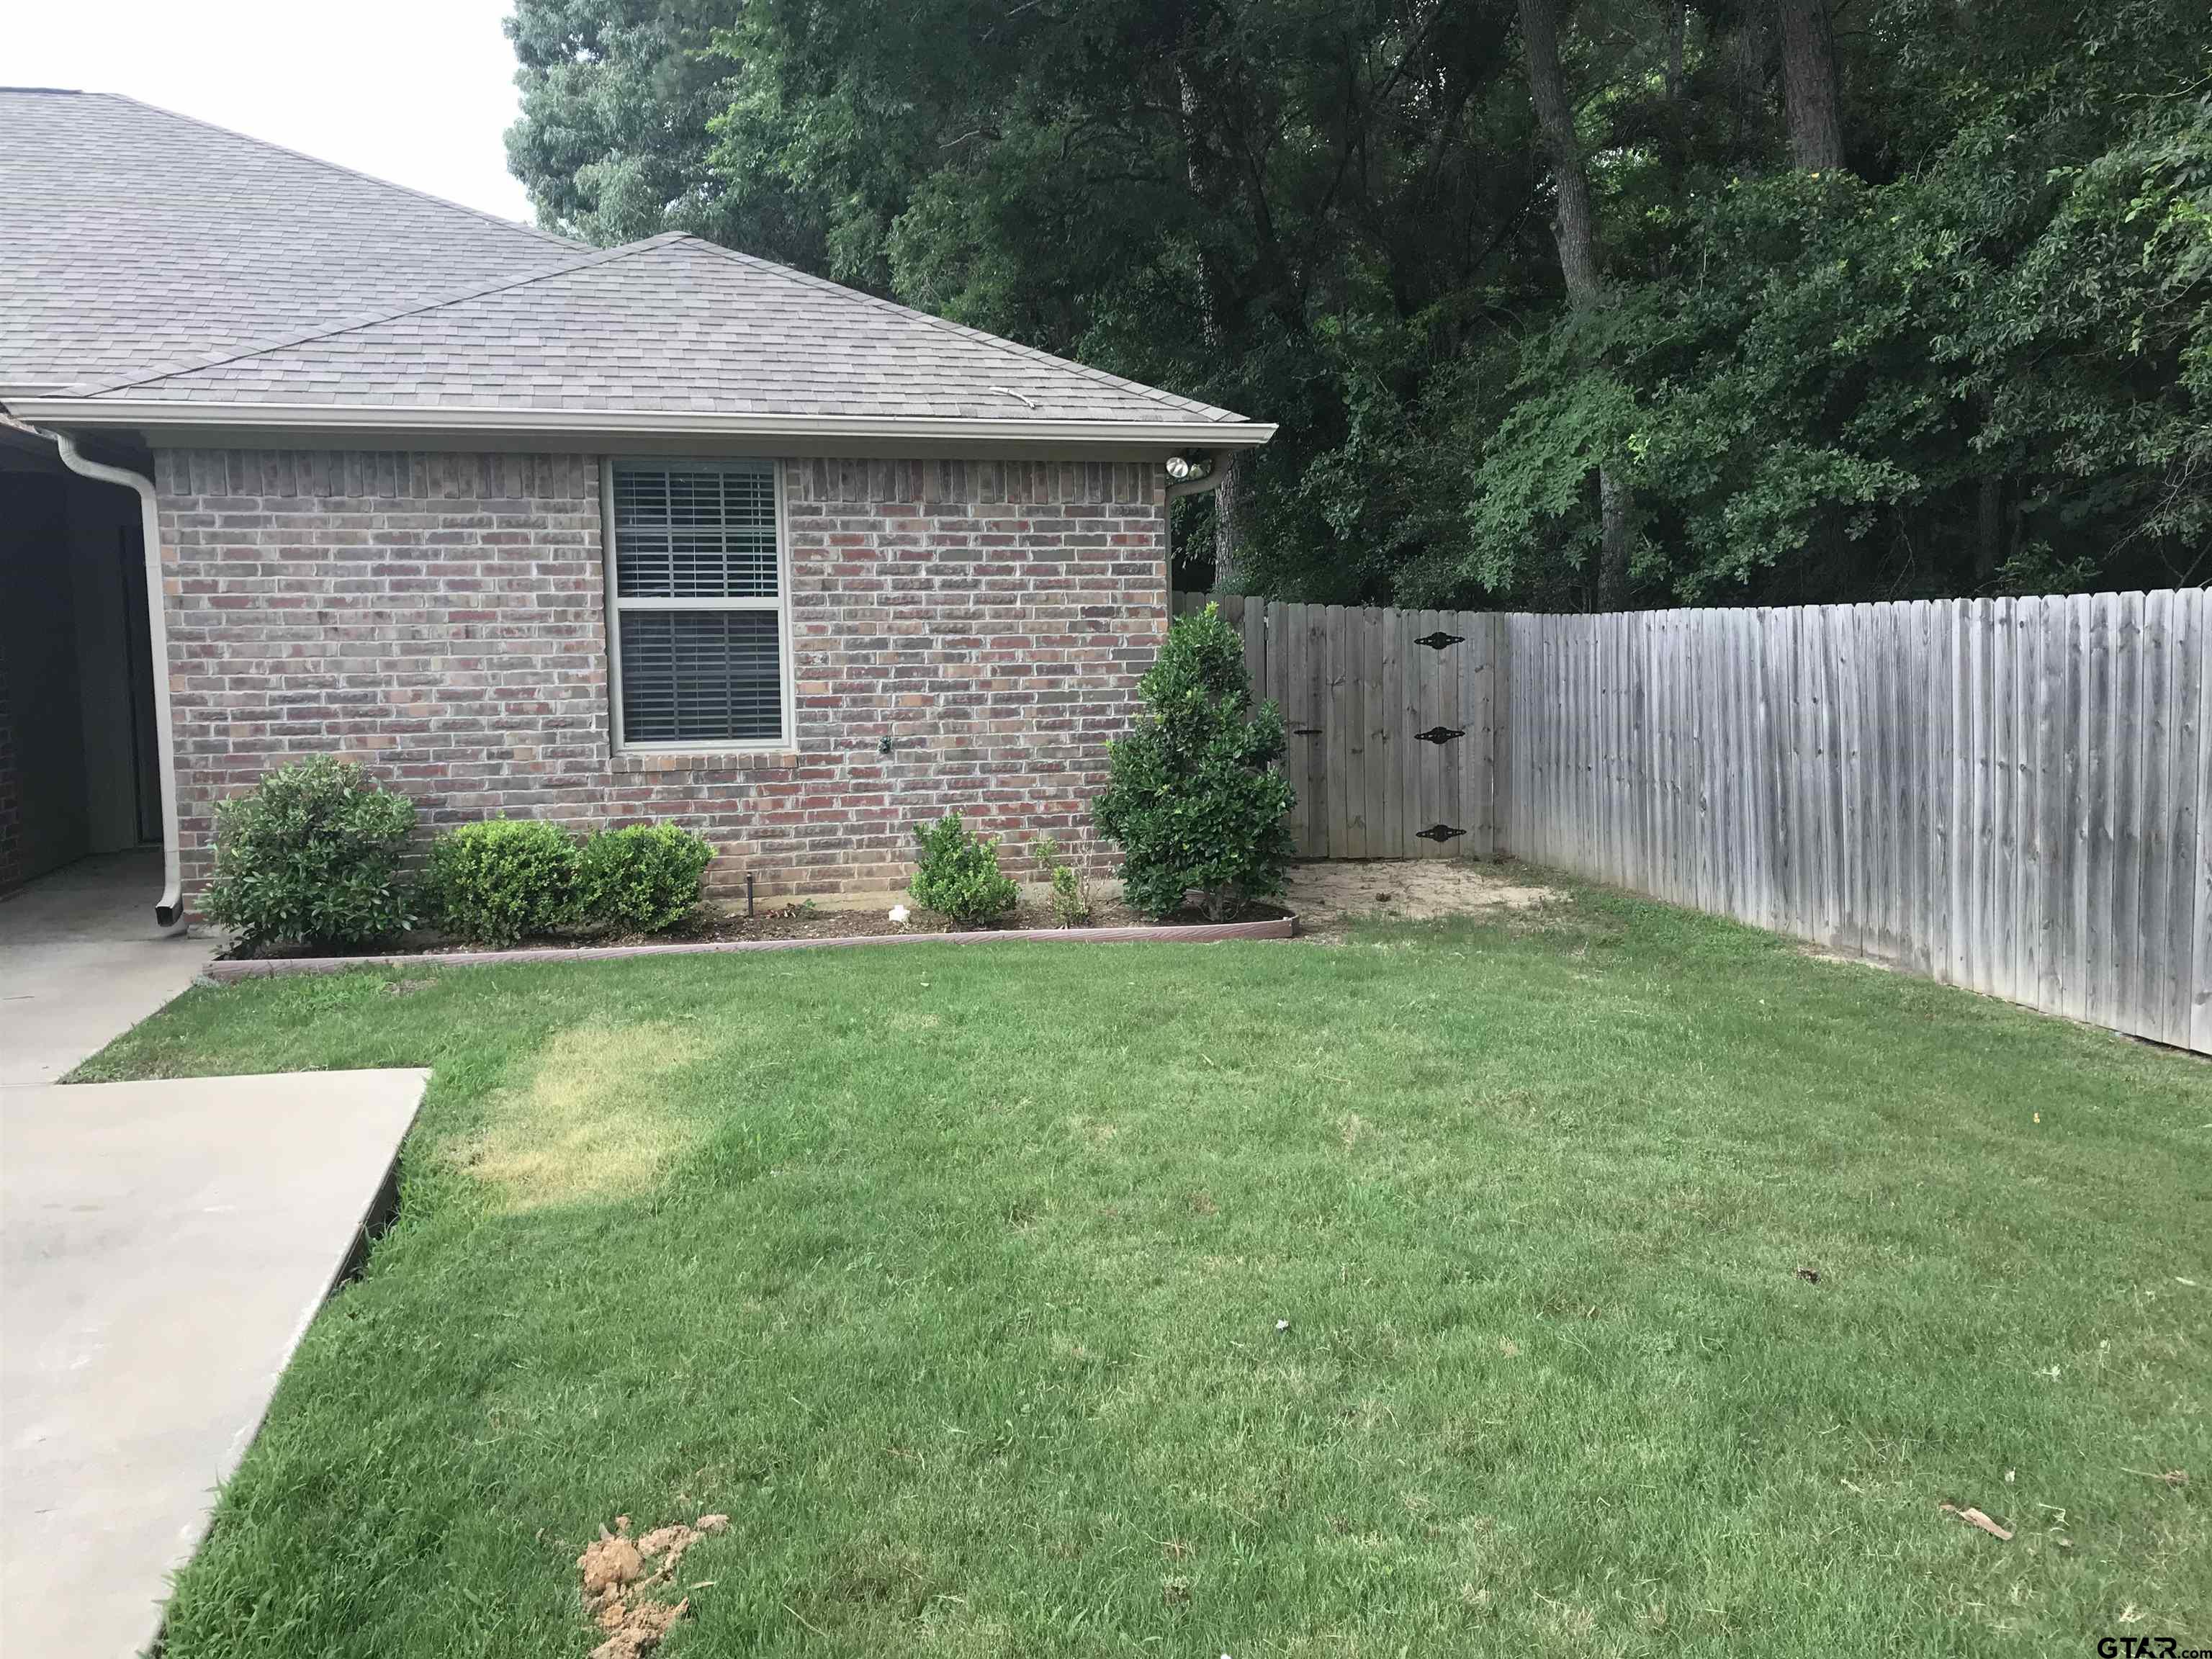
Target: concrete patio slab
x=162 y=1248
x=80 y=963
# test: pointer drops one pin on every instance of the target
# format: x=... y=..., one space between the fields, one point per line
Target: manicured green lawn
x=954 y=1276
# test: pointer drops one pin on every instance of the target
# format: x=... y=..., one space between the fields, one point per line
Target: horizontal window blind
x=698 y=603
x=682 y=533
x=701 y=677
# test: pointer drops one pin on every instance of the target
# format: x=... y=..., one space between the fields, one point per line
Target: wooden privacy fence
x=2013 y=795
x=1392 y=723
x=2007 y=794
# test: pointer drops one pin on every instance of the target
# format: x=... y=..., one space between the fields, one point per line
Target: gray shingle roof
x=265 y=281
x=672 y=323
x=129 y=235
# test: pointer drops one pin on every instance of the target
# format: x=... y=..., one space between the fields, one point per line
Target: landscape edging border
x=1204 y=932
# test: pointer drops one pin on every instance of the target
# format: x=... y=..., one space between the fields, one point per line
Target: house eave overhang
x=166 y=423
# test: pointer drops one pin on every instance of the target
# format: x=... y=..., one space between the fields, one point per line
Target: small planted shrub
x=310 y=855
x=959 y=875
x=642 y=880
x=504 y=880
x=1196 y=797
x=1071 y=892
x=1071 y=898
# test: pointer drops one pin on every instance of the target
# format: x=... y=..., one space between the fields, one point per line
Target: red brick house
x=297 y=461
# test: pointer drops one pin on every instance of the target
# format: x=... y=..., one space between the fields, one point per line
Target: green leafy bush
x=310 y=856
x=1071 y=898
x=959 y=875
x=496 y=882
x=643 y=879
x=1071 y=892
x=1196 y=797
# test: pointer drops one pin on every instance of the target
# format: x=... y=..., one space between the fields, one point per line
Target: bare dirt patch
x=1848 y=960
x=592 y=1122
x=620 y=1574
x=1329 y=897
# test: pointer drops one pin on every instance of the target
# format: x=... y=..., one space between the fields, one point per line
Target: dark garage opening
x=78 y=753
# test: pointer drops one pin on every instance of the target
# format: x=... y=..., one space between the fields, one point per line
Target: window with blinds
x=696 y=578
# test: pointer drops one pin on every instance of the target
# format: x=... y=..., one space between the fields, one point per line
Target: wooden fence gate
x=1391 y=718
x=2010 y=794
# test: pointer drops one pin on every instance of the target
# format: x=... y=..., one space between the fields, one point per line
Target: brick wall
x=441 y=618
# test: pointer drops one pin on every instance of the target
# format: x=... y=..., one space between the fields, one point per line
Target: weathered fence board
x=2010 y=794
x=1358 y=686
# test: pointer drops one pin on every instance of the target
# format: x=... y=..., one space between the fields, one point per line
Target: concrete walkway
x=81 y=963
x=162 y=1248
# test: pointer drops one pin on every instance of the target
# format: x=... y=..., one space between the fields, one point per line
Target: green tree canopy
x=1976 y=356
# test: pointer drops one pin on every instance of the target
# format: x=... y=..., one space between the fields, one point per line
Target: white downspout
x=168 y=909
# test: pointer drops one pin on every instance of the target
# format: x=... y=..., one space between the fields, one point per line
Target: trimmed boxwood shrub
x=643 y=879
x=504 y=880
x=310 y=855
x=959 y=875
x=1195 y=795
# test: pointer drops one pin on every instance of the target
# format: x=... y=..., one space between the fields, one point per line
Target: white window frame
x=787 y=736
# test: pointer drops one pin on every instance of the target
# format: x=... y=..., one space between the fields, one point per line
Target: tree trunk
x=1811 y=91
x=1678 y=24
x=1229 y=523
x=1228 y=516
x=1613 y=510
x=1574 y=222
x=1574 y=228
x=1990 y=528
x=1747 y=84
x=1195 y=175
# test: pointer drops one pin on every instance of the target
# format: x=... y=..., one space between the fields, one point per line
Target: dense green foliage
x=504 y=880
x=642 y=878
x=1196 y=797
x=310 y=856
x=1977 y=358
x=957 y=874
x=1813 y=389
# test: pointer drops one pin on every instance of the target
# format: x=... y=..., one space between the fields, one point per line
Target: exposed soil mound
x=1329 y=897
x=619 y=1574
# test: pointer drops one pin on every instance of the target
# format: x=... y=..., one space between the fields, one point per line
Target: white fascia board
x=161 y=419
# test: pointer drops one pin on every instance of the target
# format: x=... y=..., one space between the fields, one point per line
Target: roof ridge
x=807 y=279
x=332 y=167
x=175 y=369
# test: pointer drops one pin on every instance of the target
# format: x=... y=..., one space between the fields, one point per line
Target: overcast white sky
x=415 y=91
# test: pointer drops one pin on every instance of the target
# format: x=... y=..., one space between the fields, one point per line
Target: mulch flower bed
x=781 y=928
